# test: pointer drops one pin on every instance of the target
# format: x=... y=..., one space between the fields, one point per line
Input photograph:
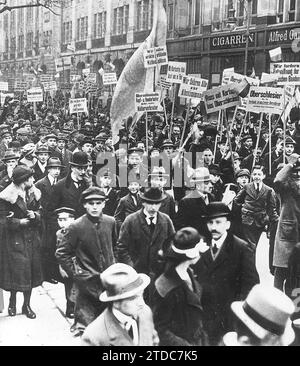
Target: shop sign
x=231 y=41
x=281 y=36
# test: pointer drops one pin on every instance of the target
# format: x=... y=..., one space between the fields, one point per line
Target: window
x=5 y=22
x=21 y=43
x=216 y=15
x=82 y=29
x=144 y=15
x=292 y=11
x=171 y=16
x=29 y=41
x=197 y=12
x=100 y=25
x=67 y=32
x=13 y=22
x=280 y=11
x=6 y=45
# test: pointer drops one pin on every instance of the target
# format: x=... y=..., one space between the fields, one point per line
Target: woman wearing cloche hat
x=177 y=305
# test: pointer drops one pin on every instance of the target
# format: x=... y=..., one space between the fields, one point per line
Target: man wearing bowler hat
x=46 y=186
x=193 y=207
x=143 y=233
x=85 y=251
x=226 y=272
x=127 y=321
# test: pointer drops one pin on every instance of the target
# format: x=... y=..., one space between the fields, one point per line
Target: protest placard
x=20 y=85
x=192 y=88
x=62 y=64
x=226 y=75
x=265 y=100
x=3 y=86
x=78 y=105
x=46 y=78
x=92 y=78
x=268 y=78
x=287 y=72
x=147 y=102
x=233 y=77
x=220 y=98
x=74 y=78
x=48 y=86
x=176 y=72
x=35 y=95
x=109 y=78
x=163 y=84
x=155 y=56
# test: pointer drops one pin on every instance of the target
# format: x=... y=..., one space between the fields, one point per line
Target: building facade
x=209 y=35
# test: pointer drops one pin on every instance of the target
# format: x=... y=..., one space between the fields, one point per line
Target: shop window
x=292 y=11
x=280 y=11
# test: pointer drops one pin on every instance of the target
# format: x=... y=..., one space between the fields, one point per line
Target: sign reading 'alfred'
x=283 y=35
x=232 y=40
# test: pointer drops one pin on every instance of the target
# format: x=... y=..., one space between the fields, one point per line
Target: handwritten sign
x=109 y=78
x=220 y=98
x=192 y=88
x=265 y=100
x=176 y=72
x=78 y=105
x=147 y=102
x=155 y=56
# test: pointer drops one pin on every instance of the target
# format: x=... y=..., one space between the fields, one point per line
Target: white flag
x=276 y=54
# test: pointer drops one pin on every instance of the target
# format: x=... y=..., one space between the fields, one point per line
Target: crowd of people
x=154 y=238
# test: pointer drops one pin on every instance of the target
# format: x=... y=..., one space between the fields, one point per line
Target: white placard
x=46 y=78
x=155 y=56
x=233 y=77
x=3 y=86
x=20 y=85
x=78 y=105
x=4 y=95
x=163 y=84
x=268 y=78
x=297 y=96
x=109 y=78
x=74 y=78
x=192 y=88
x=220 y=98
x=50 y=86
x=265 y=100
x=147 y=102
x=92 y=78
x=35 y=95
x=176 y=72
x=62 y=64
x=287 y=72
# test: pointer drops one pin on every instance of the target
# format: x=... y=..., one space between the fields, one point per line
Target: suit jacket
x=112 y=202
x=228 y=278
x=46 y=189
x=125 y=208
x=257 y=208
x=190 y=213
x=66 y=157
x=107 y=331
x=137 y=247
x=38 y=174
x=168 y=206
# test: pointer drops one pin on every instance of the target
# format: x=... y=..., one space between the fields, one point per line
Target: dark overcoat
x=177 y=310
x=38 y=174
x=20 y=259
x=85 y=251
x=228 y=278
x=125 y=208
x=137 y=247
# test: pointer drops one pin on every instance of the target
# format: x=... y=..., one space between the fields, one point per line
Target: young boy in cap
x=105 y=182
x=85 y=251
x=127 y=321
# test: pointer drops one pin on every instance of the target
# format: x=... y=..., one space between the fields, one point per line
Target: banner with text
x=192 y=88
x=176 y=72
x=147 y=102
x=221 y=98
x=78 y=105
x=287 y=72
x=265 y=100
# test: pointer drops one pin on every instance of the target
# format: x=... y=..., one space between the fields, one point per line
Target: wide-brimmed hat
x=153 y=195
x=10 y=155
x=217 y=209
x=42 y=131
x=23 y=132
x=290 y=141
x=80 y=159
x=135 y=150
x=246 y=137
x=201 y=175
x=5 y=133
x=159 y=172
x=187 y=243
x=122 y=282
x=21 y=173
x=266 y=310
x=214 y=169
x=54 y=163
x=62 y=137
x=93 y=193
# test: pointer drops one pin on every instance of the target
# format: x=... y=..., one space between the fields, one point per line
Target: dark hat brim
x=149 y=200
x=79 y=165
x=216 y=215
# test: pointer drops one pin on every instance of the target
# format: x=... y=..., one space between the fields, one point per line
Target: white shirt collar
x=259 y=185
x=51 y=179
x=219 y=242
x=127 y=322
x=42 y=166
x=154 y=221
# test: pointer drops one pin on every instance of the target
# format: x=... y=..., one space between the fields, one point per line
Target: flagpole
x=270 y=146
x=228 y=137
x=185 y=122
x=257 y=142
x=147 y=139
x=284 y=135
x=217 y=137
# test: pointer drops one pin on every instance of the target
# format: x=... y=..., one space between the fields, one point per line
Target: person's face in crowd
x=131 y=306
x=155 y=154
x=11 y=164
x=54 y=172
x=208 y=157
x=258 y=176
x=52 y=143
x=134 y=160
x=99 y=145
x=240 y=116
x=242 y=181
x=289 y=149
x=29 y=183
x=152 y=208
x=61 y=144
x=28 y=127
x=134 y=187
x=291 y=125
x=224 y=148
x=258 y=154
x=105 y=181
x=43 y=158
x=87 y=148
x=248 y=143
x=218 y=227
x=10 y=120
x=79 y=172
x=94 y=208
x=279 y=132
x=265 y=136
x=237 y=165
x=7 y=139
x=214 y=178
x=204 y=187
x=108 y=143
x=158 y=182
x=141 y=145
x=296 y=177
x=176 y=131
x=168 y=151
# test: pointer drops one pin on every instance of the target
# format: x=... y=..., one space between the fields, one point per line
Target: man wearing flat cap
x=127 y=321
x=226 y=271
x=143 y=233
x=85 y=251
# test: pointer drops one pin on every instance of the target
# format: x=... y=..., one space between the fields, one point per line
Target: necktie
x=152 y=225
x=215 y=249
x=257 y=189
